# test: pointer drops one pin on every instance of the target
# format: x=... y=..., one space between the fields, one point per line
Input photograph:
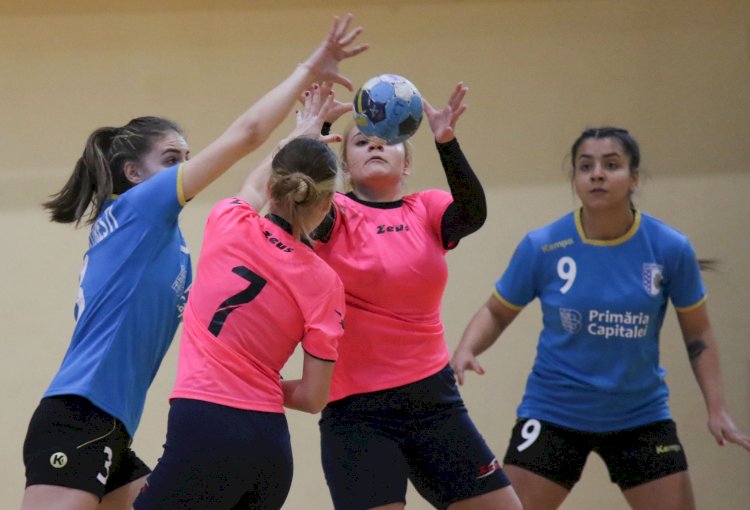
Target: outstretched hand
x=443 y=122
x=323 y=63
x=318 y=103
x=722 y=427
x=337 y=109
x=464 y=360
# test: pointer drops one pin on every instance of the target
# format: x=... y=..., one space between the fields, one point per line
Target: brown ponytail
x=305 y=171
x=98 y=173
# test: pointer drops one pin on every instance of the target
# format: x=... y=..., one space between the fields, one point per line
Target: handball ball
x=388 y=107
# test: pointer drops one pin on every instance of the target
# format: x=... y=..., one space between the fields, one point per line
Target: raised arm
x=443 y=122
x=468 y=211
x=317 y=103
x=255 y=125
x=482 y=331
x=704 y=360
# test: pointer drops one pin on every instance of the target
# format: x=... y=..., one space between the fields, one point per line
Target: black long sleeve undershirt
x=468 y=211
x=464 y=216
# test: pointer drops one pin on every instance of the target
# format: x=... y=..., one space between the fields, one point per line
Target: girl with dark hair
x=604 y=275
x=133 y=286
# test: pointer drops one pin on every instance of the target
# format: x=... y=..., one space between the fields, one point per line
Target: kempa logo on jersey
x=382 y=229
x=555 y=246
x=606 y=324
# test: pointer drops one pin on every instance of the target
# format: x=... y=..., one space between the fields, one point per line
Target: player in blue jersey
x=134 y=181
x=604 y=275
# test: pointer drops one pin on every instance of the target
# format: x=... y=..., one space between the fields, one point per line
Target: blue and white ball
x=388 y=107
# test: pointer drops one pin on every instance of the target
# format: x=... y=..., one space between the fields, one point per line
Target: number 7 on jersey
x=257 y=283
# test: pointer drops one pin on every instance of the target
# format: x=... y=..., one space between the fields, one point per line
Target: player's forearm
x=704 y=360
x=468 y=211
x=256 y=124
x=293 y=396
x=304 y=397
x=481 y=332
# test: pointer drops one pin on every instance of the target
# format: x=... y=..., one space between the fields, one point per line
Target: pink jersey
x=257 y=294
x=392 y=262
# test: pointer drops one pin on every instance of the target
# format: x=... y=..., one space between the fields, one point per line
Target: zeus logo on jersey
x=277 y=242
x=606 y=324
x=382 y=229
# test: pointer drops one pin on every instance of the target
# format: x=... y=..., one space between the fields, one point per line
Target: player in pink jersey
x=395 y=412
x=260 y=291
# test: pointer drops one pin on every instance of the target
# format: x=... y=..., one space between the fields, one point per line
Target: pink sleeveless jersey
x=392 y=262
x=257 y=294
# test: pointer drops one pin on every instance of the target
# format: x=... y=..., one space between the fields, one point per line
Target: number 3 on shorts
x=530 y=432
x=107 y=463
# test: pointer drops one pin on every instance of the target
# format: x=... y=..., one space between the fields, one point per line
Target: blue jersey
x=603 y=304
x=133 y=287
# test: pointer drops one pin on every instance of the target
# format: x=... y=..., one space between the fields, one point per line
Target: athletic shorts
x=218 y=457
x=633 y=456
x=372 y=443
x=72 y=443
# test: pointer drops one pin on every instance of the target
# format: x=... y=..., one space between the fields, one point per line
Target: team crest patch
x=652 y=278
x=571 y=320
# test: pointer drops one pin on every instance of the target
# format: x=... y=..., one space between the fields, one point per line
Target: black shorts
x=633 y=456
x=72 y=443
x=374 y=442
x=219 y=457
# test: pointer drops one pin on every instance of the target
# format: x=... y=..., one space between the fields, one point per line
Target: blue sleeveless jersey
x=603 y=304
x=133 y=287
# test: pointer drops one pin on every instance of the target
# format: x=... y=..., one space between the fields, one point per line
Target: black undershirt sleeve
x=468 y=211
x=323 y=231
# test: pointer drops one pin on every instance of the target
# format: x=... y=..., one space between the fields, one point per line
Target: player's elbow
x=311 y=402
x=248 y=135
x=316 y=404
